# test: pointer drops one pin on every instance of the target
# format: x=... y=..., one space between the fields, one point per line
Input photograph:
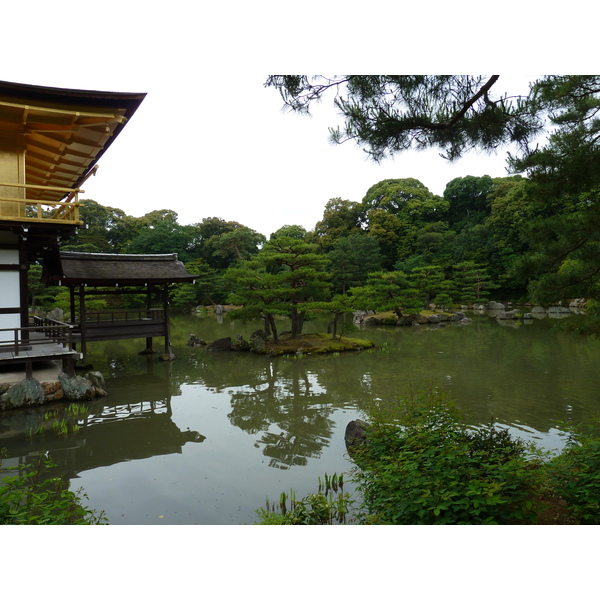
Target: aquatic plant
x=61 y=427
x=321 y=508
x=35 y=497
x=77 y=410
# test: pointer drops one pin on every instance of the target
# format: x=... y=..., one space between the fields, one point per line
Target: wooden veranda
x=87 y=275
x=45 y=341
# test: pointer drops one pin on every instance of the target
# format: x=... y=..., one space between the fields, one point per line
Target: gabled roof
x=64 y=131
x=82 y=268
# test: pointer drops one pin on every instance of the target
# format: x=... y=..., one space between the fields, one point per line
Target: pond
x=205 y=439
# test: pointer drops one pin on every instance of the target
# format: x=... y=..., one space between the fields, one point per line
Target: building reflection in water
x=133 y=422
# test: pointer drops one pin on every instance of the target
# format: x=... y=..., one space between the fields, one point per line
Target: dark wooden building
x=87 y=274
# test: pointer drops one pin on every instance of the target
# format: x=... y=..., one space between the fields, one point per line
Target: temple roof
x=82 y=268
x=64 y=131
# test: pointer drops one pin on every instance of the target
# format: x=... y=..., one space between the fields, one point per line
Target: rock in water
x=356 y=434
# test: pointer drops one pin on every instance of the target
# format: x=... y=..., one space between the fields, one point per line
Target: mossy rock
x=28 y=392
x=314 y=343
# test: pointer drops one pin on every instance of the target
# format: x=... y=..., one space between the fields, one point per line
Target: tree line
x=398 y=249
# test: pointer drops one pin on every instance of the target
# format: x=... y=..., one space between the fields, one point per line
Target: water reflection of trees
x=283 y=402
x=288 y=411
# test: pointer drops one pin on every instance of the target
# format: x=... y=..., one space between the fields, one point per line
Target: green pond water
x=205 y=439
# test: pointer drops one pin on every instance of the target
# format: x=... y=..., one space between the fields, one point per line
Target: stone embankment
x=422 y=318
x=505 y=312
x=31 y=392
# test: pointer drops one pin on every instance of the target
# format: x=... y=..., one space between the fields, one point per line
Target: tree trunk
x=333 y=324
x=273 y=328
x=297 y=322
x=267 y=325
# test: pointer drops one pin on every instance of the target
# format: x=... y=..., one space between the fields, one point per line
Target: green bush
x=575 y=474
x=428 y=468
x=34 y=497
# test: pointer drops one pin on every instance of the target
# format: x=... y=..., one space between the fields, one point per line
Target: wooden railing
x=124 y=316
x=27 y=209
x=24 y=338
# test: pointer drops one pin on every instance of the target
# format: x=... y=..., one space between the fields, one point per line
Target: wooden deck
x=40 y=347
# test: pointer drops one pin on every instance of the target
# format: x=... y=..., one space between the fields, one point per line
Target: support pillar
x=168 y=347
x=149 y=349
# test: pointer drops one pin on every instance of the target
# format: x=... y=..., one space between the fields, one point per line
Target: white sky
x=209 y=140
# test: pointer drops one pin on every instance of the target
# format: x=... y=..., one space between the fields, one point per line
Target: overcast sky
x=210 y=140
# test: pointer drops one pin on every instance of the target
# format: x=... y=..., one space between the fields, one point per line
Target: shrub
x=428 y=468
x=34 y=497
x=575 y=474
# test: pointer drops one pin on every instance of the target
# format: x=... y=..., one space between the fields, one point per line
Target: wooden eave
x=110 y=270
x=64 y=132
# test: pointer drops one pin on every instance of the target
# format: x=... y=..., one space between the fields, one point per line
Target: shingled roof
x=82 y=268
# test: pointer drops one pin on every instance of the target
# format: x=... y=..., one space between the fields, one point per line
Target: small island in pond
x=286 y=344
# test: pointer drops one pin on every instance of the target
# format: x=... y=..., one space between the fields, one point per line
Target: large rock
x=194 y=340
x=356 y=434
x=28 y=392
x=491 y=305
x=414 y=319
x=508 y=314
x=76 y=389
x=258 y=341
x=240 y=343
x=220 y=344
x=97 y=383
x=559 y=309
x=57 y=314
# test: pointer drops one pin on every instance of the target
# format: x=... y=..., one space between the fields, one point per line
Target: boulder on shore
x=30 y=392
x=356 y=434
x=220 y=344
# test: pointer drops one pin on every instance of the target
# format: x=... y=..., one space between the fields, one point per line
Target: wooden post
x=72 y=296
x=82 y=325
x=149 y=314
x=23 y=290
x=168 y=348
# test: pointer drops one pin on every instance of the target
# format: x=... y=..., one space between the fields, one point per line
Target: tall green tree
x=431 y=284
x=287 y=276
x=240 y=243
x=467 y=199
x=165 y=237
x=258 y=292
x=293 y=231
x=386 y=290
x=352 y=259
x=398 y=212
x=341 y=218
x=472 y=282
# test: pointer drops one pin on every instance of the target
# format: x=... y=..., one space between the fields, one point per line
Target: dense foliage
x=427 y=468
x=538 y=236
